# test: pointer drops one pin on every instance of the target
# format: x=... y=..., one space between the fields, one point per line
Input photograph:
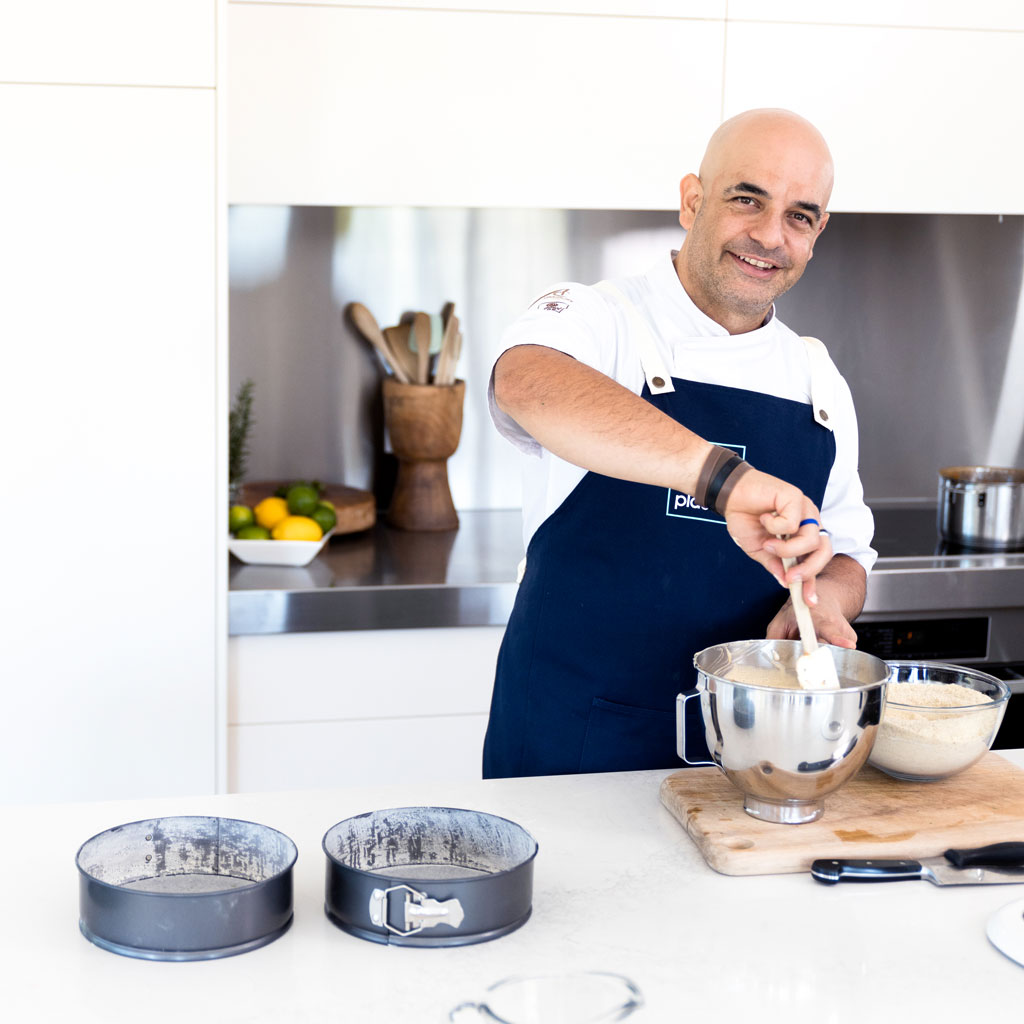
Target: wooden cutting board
x=873 y=815
x=356 y=510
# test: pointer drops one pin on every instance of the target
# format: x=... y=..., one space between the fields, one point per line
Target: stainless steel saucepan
x=982 y=507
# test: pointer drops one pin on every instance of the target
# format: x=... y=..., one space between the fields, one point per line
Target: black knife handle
x=832 y=871
x=997 y=855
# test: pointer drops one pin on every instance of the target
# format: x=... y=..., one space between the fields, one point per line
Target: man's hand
x=763 y=509
x=840 y=590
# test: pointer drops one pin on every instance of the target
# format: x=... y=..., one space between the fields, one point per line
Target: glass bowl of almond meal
x=937 y=719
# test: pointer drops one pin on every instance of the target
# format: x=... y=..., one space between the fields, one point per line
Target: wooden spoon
x=404 y=359
x=370 y=329
x=445 y=373
x=421 y=332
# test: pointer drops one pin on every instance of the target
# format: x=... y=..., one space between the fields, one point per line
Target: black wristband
x=718 y=481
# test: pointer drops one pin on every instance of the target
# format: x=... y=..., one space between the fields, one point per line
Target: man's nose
x=768 y=230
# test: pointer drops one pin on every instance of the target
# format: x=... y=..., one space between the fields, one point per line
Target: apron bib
x=625 y=582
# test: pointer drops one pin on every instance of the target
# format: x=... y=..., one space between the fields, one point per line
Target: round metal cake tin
x=185 y=888
x=429 y=876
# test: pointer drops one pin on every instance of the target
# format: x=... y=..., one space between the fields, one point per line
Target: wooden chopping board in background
x=356 y=510
x=873 y=815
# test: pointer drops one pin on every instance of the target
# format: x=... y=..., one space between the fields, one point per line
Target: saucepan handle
x=681 y=699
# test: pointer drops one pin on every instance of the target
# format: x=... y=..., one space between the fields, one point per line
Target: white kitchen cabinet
x=582 y=108
x=329 y=709
x=981 y=14
x=630 y=8
x=111 y=405
x=916 y=119
x=382 y=106
x=110 y=42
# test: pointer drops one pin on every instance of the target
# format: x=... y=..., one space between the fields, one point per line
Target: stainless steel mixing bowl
x=785 y=749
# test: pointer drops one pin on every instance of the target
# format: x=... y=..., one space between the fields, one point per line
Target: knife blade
x=996 y=864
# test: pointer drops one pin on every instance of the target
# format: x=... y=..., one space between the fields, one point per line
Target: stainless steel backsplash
x=921 y=313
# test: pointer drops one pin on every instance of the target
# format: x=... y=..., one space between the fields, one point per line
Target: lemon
x=297 y=528
x=325 y=516
x=239 y=516
x=270 y=511
x=253 y=532
x=302 y=499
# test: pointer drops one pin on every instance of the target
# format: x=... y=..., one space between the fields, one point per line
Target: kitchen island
x=618 y=886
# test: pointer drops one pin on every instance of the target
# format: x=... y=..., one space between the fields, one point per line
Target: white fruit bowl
x=277 y=552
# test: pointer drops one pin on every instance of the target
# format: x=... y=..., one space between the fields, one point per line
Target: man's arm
x=584 y=417
x=841 y=587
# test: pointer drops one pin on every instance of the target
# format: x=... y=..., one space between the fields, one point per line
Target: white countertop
x=618 y=886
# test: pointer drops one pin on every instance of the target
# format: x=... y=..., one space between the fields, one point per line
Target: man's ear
x=691 y=195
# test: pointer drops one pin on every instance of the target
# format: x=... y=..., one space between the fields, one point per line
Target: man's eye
x=746 y=200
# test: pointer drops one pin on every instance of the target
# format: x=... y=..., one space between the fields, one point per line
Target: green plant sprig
x=239 y=424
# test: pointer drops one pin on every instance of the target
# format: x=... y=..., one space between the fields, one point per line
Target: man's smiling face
x=753 y=215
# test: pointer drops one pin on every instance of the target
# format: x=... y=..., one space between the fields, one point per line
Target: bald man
x=680 y=442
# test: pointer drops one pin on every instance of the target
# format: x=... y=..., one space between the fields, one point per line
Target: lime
x=297 y=528
x=253 y=532
x=270 y=511
x=239 y=516
x=302 y=499
x=324 y=515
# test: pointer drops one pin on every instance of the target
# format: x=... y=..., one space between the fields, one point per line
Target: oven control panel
x=959 y=639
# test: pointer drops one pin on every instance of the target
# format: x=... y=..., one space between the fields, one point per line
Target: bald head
x=752 y=215
x=777 y=135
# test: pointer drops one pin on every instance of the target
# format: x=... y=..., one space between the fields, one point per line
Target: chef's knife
x=998 y=864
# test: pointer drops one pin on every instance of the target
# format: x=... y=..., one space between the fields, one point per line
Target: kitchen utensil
x=397 y=338
x=982 y=507
x=185 y=888
x=583 y=997
x=871 y=812
x=784 y=749
x=1005 y=930
x=394 y=876
x=921 y=743
x=370 y=329
x=421 y=335
x=445 y=372
x=424 y=424
x=815 y=669
x=998 y=864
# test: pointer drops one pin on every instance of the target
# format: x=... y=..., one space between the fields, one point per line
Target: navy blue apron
x=624 y=583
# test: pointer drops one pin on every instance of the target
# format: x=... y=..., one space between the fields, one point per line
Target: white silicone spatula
x=815 y=669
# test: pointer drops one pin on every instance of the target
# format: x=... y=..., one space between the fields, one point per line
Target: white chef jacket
x=588 y=325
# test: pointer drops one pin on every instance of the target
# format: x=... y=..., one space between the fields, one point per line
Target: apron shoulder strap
x=659 y=380
x=822 y=389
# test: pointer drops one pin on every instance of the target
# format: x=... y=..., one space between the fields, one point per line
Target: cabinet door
x=983 y=14
x=632 y=8
x=919 y=121
x=107 y=410
x=345 y=106
x=334 y=709
x=110 y=42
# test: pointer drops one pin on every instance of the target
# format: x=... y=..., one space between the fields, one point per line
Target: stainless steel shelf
x=392 y=579
x=387 y=579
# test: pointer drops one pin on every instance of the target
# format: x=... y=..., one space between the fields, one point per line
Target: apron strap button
x=658 y=382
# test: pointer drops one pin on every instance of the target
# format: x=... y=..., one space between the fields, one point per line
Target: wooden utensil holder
x=424 y=423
